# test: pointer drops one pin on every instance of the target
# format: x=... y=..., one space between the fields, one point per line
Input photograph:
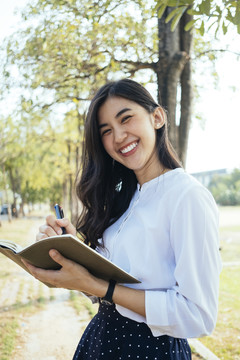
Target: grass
x=11 y=315
x=15 y=231
x=8 y=335
x=224 y=342
x=80 y=303
x=228 y=229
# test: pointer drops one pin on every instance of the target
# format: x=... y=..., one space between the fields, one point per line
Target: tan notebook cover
x=70 y=247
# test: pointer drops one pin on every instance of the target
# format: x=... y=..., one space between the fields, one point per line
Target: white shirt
x=168 y=239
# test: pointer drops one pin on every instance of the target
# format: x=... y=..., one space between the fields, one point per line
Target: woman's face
x=128 y=134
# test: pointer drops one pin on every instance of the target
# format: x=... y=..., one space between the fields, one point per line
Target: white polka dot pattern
x=110 y=336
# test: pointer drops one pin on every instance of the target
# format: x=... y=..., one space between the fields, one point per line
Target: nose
x=119 y=134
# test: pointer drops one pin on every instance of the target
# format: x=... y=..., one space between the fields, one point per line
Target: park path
x=52 y=333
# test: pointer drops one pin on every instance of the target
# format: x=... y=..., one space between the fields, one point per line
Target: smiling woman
x=121 y=114
x=143 y=212
x=128 y=134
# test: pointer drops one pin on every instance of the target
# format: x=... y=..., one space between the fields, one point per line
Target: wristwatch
x=107 y=299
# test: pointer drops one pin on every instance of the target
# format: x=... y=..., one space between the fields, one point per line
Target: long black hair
x=106 y=187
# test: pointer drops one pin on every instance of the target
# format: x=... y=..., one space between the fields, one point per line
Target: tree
x=73 y=48
x=210 y=13
x=34 y=159
x=226 y=188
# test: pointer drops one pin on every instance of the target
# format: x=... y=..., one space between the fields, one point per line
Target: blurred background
x=56 y=54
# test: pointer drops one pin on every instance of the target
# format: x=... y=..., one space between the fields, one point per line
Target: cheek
x=107 y=144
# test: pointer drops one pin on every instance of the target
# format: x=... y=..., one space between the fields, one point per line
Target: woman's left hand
x=71 y=276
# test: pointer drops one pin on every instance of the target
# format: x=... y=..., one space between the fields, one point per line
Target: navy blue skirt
x=111 y=336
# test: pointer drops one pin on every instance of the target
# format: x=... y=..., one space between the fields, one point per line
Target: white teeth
x=128 y=148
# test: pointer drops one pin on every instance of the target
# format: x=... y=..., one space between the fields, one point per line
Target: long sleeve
x=189 y=308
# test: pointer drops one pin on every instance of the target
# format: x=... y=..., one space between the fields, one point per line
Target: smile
x=129 y=148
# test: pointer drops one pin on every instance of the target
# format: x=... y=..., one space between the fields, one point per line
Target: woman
x=143 y=212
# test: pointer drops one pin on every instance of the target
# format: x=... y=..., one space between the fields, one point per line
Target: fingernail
x=53 y=252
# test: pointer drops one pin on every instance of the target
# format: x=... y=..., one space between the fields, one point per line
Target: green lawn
x=225 y=340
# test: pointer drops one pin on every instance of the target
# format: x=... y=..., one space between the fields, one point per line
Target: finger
x=41 y=274
x=29 y=266
x=51 y=228
x=49 y=231
x=41 y=236
x=61 y=260
x=52 y=222
x=70 y=228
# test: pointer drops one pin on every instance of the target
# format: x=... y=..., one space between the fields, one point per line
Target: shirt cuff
x=156 y=311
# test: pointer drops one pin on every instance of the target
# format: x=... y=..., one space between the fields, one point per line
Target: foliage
x=35 y=155
x=74 y=48
x=226 y=188
x=66 y=50
x=218 y=14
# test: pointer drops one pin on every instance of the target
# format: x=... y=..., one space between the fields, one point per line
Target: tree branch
x=138 y=64
x=214 y=50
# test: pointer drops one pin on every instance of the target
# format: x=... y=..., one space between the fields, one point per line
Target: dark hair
x=106 y=187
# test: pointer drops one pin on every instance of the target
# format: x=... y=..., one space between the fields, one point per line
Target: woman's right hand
x=53 y=227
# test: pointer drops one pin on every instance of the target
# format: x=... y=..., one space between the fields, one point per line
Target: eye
x=125 y=118
x=105 y=132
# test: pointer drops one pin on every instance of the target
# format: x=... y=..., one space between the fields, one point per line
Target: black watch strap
x=107 y=299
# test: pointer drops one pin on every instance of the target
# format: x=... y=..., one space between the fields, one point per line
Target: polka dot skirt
x=111 y=336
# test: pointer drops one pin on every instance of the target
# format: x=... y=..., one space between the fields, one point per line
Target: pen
x=59 y=215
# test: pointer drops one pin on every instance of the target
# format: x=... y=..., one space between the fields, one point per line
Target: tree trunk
x=186 y=90
x=14 y=190
x=74 y=199
x=6 y=194
x=21 y=210
x=173 y=69
x=65 y=198
x=76 y=205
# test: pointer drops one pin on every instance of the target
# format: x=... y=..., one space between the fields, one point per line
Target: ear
x=159 y=118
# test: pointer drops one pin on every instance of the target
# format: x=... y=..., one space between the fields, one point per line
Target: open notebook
x=71 y=248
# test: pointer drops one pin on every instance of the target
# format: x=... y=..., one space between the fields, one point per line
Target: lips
x=127 y=149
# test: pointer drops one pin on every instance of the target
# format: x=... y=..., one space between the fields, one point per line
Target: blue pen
x=59 y=215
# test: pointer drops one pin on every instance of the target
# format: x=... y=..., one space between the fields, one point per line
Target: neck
x=145 y=177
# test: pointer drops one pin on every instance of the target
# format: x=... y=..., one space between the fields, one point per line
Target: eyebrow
x=121 y=112
x=116 y=116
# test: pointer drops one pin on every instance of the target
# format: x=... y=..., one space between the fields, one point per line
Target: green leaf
x=172 y=14
x=224 y=28
x=205 y=7
x=201 y=29
x=193 y=12
x=237 y=14
x=176 y=14
x=161 y=11
x=189 y=25
x=177 y=18
x=172 y=3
